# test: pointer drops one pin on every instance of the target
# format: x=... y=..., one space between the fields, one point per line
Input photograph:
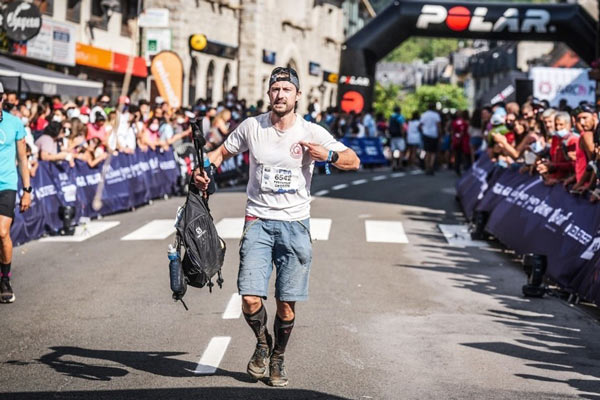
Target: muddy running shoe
x=6 y=292
x=278 y=375
x=257 y=366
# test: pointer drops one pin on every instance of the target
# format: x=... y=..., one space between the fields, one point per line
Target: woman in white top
x=413 y=138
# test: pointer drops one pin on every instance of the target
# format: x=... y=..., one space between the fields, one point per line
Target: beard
x=280 y=113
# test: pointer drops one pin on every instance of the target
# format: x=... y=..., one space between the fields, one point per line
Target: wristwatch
x=335 y=157
x=28 y=189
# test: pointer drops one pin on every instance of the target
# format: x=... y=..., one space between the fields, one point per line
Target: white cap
x=1 y=88
x=159 y=100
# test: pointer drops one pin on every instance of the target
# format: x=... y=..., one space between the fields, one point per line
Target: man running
x=283 y=147
x=12 y=147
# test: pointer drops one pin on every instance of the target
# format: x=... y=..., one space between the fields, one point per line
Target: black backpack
x=196 y=231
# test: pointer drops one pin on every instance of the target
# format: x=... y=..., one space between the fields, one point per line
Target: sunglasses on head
x=284 y=70
x=585 y=108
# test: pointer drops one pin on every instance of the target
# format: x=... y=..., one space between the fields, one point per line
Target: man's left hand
x=317 y=152
x=25 y=201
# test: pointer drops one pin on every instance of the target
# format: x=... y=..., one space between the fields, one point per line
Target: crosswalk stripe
x=340 y=186
x=319 y=228
x=84 y=232
x=230 y=228
x=321 y=193
x=212 y=356
x=379 y=177
x=398 y=175
x=234 y=307
x=157 y=229
x=416 y=172
x=359 y=181
x=385 y=232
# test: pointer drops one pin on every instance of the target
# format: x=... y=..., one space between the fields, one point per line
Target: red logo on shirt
x=296 y=151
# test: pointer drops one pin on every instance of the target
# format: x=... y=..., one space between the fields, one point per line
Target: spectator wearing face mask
x=101 y=105
x=561 y=164
x=151 y=136
x=50 y=144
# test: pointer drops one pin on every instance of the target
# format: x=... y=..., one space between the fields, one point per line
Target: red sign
x=352 y=101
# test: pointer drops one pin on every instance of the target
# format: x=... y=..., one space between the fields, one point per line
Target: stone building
x=248 y=38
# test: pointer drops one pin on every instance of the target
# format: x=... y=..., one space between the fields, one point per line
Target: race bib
x=280 y=180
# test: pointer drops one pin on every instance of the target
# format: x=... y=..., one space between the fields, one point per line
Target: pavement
x=396 y=310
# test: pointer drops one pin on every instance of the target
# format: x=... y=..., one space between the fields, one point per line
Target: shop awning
x=38 y=80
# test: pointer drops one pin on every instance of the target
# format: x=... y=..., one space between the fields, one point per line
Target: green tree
x=425 y=49
x=386 y=98
x=450 y=96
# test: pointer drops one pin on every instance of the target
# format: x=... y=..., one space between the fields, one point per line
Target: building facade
x=248 y=38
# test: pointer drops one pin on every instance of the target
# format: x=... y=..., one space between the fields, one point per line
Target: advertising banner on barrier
x=369 y=150
x=530 y=217
x=473 y=184
x=131 y=180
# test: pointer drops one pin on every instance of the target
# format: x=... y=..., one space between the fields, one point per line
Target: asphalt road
x=416 y=319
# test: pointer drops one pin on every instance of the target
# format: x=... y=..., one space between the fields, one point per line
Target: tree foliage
x=387 y=97
x=449 y=96
x=425 y=49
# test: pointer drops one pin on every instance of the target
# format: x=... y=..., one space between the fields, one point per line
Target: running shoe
x=257 y=366
x=278 y=375
x=6 y=292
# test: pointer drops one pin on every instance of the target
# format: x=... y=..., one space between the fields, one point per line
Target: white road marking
x=234 y=307
x=321 y=193
x=379 y=178
x=398 y=175
x=319 y=228
x=158 y=229
x=359 y=181
x=212 y=356
x=230 y=228
x=416 y=172
x=84 y=232
x=459 y=236
x=385 y=232
x=340 y=186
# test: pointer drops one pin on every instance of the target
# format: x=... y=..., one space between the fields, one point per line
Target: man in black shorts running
x=283 y=148
x=12 y=147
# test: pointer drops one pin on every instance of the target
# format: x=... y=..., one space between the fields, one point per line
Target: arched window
x=193 y=81
x=210 y=81
x=226 y=74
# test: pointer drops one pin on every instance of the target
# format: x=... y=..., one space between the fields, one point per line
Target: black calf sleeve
x=282 y=329
x=258 y=323
x=5 y=270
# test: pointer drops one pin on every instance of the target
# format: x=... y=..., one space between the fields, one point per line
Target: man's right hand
x=201 y=179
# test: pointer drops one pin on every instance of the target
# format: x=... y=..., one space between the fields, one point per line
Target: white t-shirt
x=413 y=136
x=280 y=168
x=429 y=121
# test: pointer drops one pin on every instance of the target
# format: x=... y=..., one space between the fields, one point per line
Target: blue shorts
x=285 y=244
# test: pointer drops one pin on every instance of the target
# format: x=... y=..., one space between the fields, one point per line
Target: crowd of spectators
x=560 y=144
x=89 y=129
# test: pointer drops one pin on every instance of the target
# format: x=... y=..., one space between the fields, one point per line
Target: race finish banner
x=131 y=181
x=568 y=23
x=530 y=217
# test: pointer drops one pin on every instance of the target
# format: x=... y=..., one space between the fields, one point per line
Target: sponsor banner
x=530 y=217
x=472 y=186
x=571 y=84
x=167 y=71
x=369 y=150
x=131 y=180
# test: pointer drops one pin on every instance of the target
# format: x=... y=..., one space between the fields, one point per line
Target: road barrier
x=532 y=218
x=131 y=180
